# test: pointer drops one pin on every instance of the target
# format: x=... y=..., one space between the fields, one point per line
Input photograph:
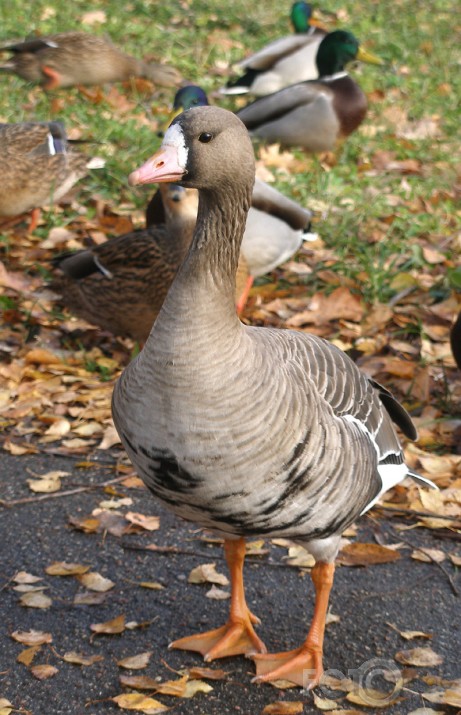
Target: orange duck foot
x=302 y=667
x=234 y=638
x=54 y=78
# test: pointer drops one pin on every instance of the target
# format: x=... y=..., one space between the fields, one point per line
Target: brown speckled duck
x=121 y=284
x=37 y=167
x=318 y=451
x=67 y=59
x=314 y=114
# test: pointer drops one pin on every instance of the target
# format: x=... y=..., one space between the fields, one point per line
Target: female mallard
x=78 y=58
x=314 y=114
x=285 y=61
x=36 y=167
x=121 y=284
x=318 y=451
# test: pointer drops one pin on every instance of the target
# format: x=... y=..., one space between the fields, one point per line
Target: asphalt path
x=409 y=594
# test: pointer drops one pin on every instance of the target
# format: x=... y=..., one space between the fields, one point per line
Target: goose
x=276 y=226
x=318 y=451
x=285 y=61
x=67 y=59
x=316 y=113
x=37 y=167
x=120 y=284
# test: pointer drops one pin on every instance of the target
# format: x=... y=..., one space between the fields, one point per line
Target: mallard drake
x=67 y=59
x=314 y=114
x=37 y=167
x=318 y=451
x=121 y=284
x=285 y=61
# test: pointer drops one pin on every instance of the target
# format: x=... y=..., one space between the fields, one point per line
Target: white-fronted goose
x=285 y=61
x=314 y=114
x=317 y=451
x=67 y=59
x=37 y=167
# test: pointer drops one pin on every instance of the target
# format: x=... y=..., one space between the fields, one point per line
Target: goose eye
x=205 y=137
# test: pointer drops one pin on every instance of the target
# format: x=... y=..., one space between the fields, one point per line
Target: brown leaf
x=369 y=698
x=89 y=598
x=428 y=555
x=63 y=568
x=424 y=657
x=95 y=582
x=142 y=703
x=206 y=573
x=359 y=554
x=43 y=672
x=80 y=659
x=207 y=673
x=32 y=638
x=24 y=577
x=298 y=556
x=324 y=703
x=139 y=682
x=115 y=625
x=176 y=688
x=341 y=304
x=284 y=707
x=154 y=585
x=136 y=662
x=26 y=656
x=218 y=594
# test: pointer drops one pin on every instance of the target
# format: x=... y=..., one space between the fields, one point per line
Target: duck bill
x=314 y=22
x=163 y=166
x=369 y=57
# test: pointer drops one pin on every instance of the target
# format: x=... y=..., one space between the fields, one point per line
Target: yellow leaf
x=32 y=637
x=44 y=486
x=283 y=707
x=142 y=703
x=428 y=555
x=136 y=662
x=196 y=686
x=63 y=568
x=115 y=625
x=173 y=687
x=43 y=672
x=26 y=656
x=207 y=573
x=35 y=599
x=369 y=698
x=324 y=703
x=5 y=706
x=95 y=582
x=424 y=657
x=154 y=585
x=298 y=556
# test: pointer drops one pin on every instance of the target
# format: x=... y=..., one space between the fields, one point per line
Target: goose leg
x=54 y=78
x=302 y=666
x=237 y=636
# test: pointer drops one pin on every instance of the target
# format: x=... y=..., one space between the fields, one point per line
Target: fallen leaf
x=409 y=635
x=197 y=673
x=428 y=555
x=206 y=573
x=369 y=698
x=424 y=657
x=282 y=707
x=35 y=599
x=363 y=554
x=43 y=672
x=24 y=577
x=154 y=585
x=5 y=706
x=298 y=556
x=196 y=686
x=324 y=703
x=45 y=485
x=139 y=682
x=218 y=594
x=150 y=523
x=89 y=598
x=32 y=638
x=142 y=703
x=177 y=688
x=95 y=582
x=136 y=662
x=26 y=656
x=63 y=568
x=80 y=659
x=115 y=625
x=455 y=559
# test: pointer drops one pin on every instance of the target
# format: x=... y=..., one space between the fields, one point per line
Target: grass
x=374 y=219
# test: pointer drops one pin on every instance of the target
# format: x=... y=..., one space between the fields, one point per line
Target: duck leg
x=237 y=636
x=302 y=666
x=34 y=219
x=54 y=78
x=244 y=295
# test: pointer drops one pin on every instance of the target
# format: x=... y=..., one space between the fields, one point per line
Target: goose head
x=337 y=49
x=204 y=148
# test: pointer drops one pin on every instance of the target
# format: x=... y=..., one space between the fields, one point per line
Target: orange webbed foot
x=53 y=78
x=302 y=666
x=236 y=637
